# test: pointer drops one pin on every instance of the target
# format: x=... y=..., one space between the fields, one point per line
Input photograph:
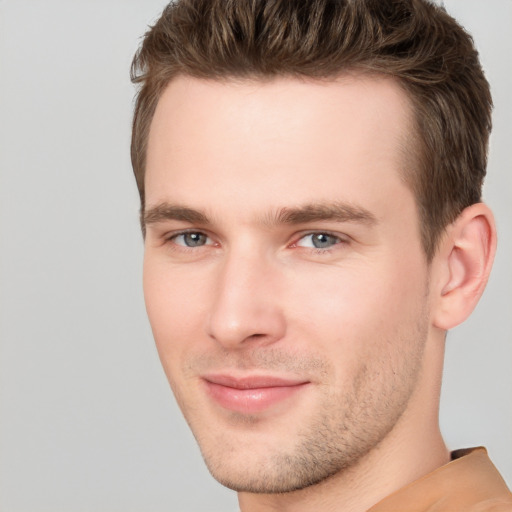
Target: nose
x=246 y=309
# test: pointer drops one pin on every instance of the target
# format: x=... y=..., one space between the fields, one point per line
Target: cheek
x=350 y=310
x=372 y=331
x=174 y=302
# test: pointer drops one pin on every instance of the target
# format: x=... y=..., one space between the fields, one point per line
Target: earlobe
x=465 y=259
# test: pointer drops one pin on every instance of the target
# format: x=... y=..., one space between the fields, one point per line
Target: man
x=310 y=178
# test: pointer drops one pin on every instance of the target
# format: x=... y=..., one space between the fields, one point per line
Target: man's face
x=284 y=276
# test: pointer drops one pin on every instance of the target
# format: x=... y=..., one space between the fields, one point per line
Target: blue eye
x=190 y=239
x=318 y=241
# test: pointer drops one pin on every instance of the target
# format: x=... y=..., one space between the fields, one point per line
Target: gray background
x=87 y=420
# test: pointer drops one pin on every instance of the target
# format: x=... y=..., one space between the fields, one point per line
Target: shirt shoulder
x=469 y=483
x=494 y=505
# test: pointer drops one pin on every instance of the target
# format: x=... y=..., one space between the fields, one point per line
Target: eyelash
x=338 y=240
x=171 y=240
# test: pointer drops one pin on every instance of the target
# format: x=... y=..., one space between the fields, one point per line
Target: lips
x=251 y=394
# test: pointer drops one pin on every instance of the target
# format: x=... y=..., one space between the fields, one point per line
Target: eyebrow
x=338 y=212
x=166 y=211
x=313 y=212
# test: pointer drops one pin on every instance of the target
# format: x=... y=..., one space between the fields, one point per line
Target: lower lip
x=251 y=401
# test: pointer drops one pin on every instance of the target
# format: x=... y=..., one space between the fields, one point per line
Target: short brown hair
x=415 y=41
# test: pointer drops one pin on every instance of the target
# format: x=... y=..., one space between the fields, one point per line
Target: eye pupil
x=194 y=239
x=323 y=240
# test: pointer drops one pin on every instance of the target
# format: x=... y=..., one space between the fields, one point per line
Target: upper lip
x=253 y=381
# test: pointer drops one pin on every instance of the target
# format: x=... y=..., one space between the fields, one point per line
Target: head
x=309 y=176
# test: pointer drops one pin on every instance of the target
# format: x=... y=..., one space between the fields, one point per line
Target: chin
x=281 y=469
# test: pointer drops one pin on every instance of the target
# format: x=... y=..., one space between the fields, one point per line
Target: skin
x=243 y=179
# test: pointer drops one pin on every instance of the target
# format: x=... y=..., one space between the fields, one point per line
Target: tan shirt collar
x=469 y=483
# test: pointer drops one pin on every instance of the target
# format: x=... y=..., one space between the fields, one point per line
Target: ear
x=463 y=264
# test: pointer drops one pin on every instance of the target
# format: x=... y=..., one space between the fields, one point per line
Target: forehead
x=276 y=142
